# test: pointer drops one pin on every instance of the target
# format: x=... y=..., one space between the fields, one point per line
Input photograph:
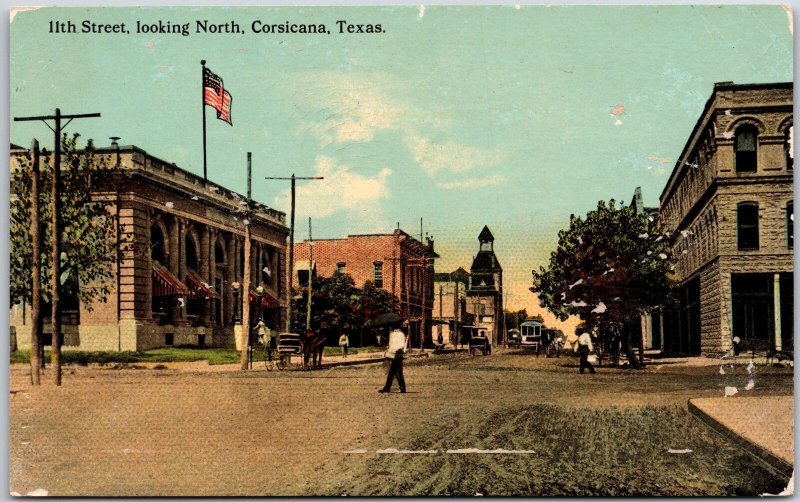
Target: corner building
x=729 y=203
x=178 y=265
x=395 y=262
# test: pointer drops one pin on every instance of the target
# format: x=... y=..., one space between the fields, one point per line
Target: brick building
x=395 y=262
x=729 y=202
x=180 y=280
x=450 y=305
x=485 y=292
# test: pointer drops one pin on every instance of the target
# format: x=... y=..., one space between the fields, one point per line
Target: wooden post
x=55 y=255
x=36 y=263
x=246 y=298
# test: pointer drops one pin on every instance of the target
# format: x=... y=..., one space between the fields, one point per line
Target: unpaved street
x=145 y=432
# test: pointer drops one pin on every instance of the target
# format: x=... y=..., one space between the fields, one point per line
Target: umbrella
x=386 y=319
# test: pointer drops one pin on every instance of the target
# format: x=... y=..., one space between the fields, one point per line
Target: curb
x=371 y=360
x=776 y=463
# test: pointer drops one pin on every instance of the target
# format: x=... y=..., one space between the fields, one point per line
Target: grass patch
x=336 y=351
x=579 y=452
x=162 y=355
x=183 y=353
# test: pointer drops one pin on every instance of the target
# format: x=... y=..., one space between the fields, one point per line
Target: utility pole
x=36 y=274
x=245 y=363
x=293 y=178
x=55 y=234
x=310 y=276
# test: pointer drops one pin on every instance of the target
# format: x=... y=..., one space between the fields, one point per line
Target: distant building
x=450 y=305
x=729 y=202
x=180 y=280
x=395 y=262
x=485 y=292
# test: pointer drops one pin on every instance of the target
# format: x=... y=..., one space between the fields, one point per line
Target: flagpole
x=203 y=93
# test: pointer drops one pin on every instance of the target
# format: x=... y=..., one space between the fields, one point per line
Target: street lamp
x=237 y=313
x=260 y=291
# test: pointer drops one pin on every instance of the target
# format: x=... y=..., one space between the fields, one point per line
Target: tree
x=88 y=240
x=339 y=304
x=515 y=318
x=609 y=268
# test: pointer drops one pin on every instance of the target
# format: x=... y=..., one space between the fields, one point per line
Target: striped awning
x=198 y=289
x=166 y=284
x=268 y=301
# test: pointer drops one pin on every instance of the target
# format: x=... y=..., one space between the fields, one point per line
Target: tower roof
x=486 y=235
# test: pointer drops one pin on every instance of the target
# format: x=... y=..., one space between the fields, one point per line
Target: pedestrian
x=584 y=348
x=394 y=354
x=344 y=343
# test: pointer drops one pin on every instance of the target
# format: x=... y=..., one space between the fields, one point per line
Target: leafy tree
x=88 y=242
x=515 y=318
x=340 y=305
x=88 y=227
x=609 y=268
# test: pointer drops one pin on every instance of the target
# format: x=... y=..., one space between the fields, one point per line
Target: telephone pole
x=292 y=178
x=244 y=360
x=55 y=234
x=36 y=274
x=310 y=275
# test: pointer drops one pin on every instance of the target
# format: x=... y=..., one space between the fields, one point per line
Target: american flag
x=216 y=96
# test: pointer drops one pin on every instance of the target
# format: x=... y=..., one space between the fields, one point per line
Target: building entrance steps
x=762 y=425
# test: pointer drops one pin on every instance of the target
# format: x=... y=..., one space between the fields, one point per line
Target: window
x=340 y=267
x=790 y=224
x=746 y=149
x=747 y=225
x=788 y=147
x=266 y=266
x=377 y=274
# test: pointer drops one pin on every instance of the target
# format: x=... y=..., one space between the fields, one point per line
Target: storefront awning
x=268 y=301
x=166 y=284
x=198 y=289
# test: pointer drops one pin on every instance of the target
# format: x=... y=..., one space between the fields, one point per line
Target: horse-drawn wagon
x=480 y=343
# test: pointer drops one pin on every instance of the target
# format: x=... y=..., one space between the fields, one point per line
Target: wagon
x=289 y=347
x=479 y=343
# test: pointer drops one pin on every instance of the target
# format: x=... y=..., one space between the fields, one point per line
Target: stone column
x=205 y=270
x=661 y=329
x=776 y=298
x=182 y=249
x=174 y=243
x=230 y=278
x=181 y=258
x=148 y=258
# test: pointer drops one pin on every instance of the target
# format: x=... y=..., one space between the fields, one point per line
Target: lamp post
x=237 y=317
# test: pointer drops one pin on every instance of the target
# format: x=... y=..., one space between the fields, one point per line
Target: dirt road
x=149 y=432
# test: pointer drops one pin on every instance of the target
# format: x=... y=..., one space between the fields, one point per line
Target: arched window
x=788 y=146
x=747 y=225
x=192 y=260
x=746 y=146
x=790 y=224
x=157 y=250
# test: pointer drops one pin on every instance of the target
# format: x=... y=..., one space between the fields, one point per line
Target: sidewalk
x=763 y=426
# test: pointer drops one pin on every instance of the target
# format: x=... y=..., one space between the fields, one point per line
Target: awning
x=267 y=302
x=166 y=284
x=198 y=289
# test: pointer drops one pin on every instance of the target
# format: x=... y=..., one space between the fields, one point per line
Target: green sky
x=511 y=116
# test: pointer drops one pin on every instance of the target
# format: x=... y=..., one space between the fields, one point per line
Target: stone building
x=485 y=292
x=395 y=262
x=178 y=281
x=450 y=305
x=729 y=203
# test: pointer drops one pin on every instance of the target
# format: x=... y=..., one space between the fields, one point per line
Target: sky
x=511 y=116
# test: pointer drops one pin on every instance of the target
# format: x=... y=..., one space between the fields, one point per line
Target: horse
x=313 y=345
